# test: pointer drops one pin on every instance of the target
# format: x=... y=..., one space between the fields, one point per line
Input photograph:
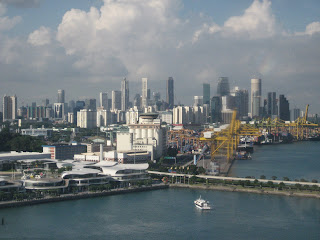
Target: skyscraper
x=61 y=96
x=124 y=94
x=241 y=100
x=137 y=101
x=206 y=93
x=170 y=92
x=116 y=100
x=144 y=92
x=284 y=112
x=216 y=107
x=198 y=101
x=272 y=104
x=223 y=88
x=91 y=104
x=104 y=100
x=255 y=97
x=9 y=107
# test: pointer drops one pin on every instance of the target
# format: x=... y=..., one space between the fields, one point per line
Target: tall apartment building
x=272 y=109
x=284 y=112
x=255 y=97
x=124 y=94
x=170 y=92
x=9 y=107
x=206 y=93
x=87 y=118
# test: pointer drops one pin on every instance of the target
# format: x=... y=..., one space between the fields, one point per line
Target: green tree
x=274 y=177
x=286 y=179
x=262 y=177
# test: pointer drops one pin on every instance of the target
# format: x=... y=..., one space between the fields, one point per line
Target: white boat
x=202 y=204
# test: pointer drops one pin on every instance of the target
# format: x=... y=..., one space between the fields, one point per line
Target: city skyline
x=49 y=55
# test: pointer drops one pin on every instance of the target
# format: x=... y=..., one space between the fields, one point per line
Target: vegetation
x=16 y=142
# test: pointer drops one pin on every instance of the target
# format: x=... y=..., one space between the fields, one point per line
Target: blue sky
x=46 y=45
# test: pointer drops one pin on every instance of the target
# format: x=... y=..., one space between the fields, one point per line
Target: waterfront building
x=87 y=118
x=63 y=151
x=284 y=112
x=9 y=187
x=61 y=96
x=116 y=100
x=104 y=100
x=9 y=107
x=255 y=97
x=144 y=96
x=124 y=94
x=170 y=92
x=223 y=88
x=206 y=93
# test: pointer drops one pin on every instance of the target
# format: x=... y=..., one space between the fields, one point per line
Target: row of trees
x=16 y=142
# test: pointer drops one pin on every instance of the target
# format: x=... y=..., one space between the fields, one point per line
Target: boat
x=202 y=204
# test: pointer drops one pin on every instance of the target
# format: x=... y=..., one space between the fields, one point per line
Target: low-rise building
x=61 y=151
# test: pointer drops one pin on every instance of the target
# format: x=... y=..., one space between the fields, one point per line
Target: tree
x=286 y=179
x=262 y=177
x=314 y=181
x=274 y=177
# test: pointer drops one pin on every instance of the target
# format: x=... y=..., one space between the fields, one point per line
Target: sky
x=88 y=46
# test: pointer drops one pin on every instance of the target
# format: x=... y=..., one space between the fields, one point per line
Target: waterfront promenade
x=180 y=175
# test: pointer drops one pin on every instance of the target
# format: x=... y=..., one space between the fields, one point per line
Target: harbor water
x=171 y=214
x=295 y=160
x=167 y=214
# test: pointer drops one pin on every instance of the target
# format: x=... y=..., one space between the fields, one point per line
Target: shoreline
x=247 y=190
x=82 y=195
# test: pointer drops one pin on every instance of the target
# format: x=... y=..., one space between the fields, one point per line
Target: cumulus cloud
x=7 y=23
x=311 y=29
x=40 y=37
x=149 y=38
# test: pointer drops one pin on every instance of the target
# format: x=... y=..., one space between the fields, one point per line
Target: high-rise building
x=216 y=107
x=144 y=99
x=91 y=104
x=198 y=100
x=284 y=112
x=137 y=101
x=10 y=107
x=87 y=118
x=116 y=100
x=255 y=97
x=124 y=94
x=170 y=92
x=58 y=110
x=272 y=104
x=61 y=96
x=45 y=102
x=206 y=93
x=104 y=100
x=296 y=114
x=223 y=88
x=241 y=101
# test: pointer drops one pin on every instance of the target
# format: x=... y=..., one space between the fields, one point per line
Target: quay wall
x=82 y=195
x=248 y=190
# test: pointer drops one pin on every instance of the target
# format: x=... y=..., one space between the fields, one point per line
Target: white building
x=87 y=118
x=146 y=135
x=104 y=117
x=132 y=115
x=166 y=116
x=255 y=97
x=9 y=107
x=37 y=132
x=124 y=94
x=144 y=97
x=116 y=100
x=104 y=100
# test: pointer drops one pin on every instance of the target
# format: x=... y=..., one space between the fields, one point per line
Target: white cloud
x=7 y=23
x=257 y=21
x=22 y=3
x=311 y=29
x=40 y=37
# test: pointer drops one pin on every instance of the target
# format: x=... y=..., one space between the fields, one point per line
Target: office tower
x=206 y=93
x=156 y=97
x=61 y=96
x=9 y=107
x=144 y=99
x=223 y=88
x=216 y=109
x=80 y=104
x=104 y=100
x=58 y=110
x=71 y=106
x=284 y=112
x=198 y=100
x=228 y=102
x=116 y=100
x=137 y=101
x=255 y=97
x=272 y=104
x=296 y=114
x=124 y=94
x=170 y=92
x=91 y=104
x=45 y=102
x=241 y=101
